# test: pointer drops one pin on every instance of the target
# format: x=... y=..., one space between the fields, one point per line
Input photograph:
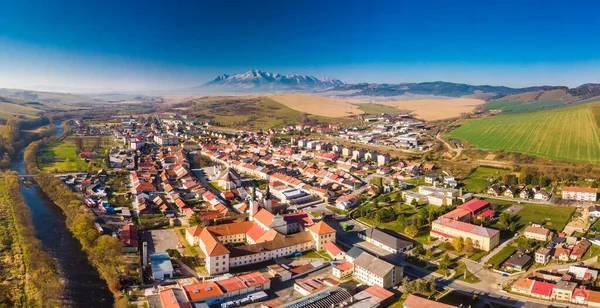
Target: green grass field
x=65 y=154
x=554 y=217
x=478 y=180
x=568 y=134
x=502 y=255
x=376 y=109
x=253 y=113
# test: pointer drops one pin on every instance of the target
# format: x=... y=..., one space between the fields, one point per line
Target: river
x=83 y=285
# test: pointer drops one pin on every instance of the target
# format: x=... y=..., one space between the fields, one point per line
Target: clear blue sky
x=171 y=44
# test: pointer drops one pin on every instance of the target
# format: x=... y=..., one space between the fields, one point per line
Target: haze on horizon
x=159 y=45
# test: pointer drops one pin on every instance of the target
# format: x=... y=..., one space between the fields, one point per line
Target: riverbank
x=29 y=273
x=83 y=285
x=102 y=251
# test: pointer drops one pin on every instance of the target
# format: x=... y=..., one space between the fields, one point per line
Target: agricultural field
x=436 y=109
x=376 y=109
x=568 y=134
x=478 y=181
x=254 y=113
x=8 y=109
x=317 y=105
x=62 y=155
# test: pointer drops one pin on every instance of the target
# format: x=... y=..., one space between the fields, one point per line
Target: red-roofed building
x=233 y=287
x=129 y=238
x=205 y=292
x=342 y=270
x=322 y=233
x=334 y=251
x=256 y=281
x=379 y=292
x=476 y=207
x=174 y=298
x=542 y=289
x=483 y=238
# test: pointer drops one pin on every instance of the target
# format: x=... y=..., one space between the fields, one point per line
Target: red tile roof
x=129 y=236
x=203 y=291
x=474 y=205
x=344 y=266
x=254 y=279
x=213 y=247
x=232 y=284
x=542 y=288
x=264 y=217
x=321 y=228
x=580 y=189
x=169 y=300
x=255 y=232
x=379 y=292
x=332 y=248
x=195 y=230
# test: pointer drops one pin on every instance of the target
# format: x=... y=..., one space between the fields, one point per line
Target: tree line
x=13 y=136
x=41 y=285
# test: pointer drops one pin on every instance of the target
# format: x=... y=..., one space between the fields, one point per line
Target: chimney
x=145 y=253
x=460 y=192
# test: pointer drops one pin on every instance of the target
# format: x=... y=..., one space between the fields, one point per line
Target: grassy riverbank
x=28 y=273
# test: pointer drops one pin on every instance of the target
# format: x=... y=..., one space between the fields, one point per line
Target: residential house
x=342 y=270
x=537 y=233
x=542 y=255
x=542 y=290
x=579 y=249
x=580 y=194
x=541 y=195
x=517 y=261
x=494 y=190
x=523 y=285
x=563 y=291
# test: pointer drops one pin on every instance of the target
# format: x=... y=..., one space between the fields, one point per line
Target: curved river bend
x=83 y=285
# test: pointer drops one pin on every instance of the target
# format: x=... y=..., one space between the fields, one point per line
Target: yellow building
x=483 y=238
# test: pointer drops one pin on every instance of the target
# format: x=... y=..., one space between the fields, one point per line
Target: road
x=448 y=146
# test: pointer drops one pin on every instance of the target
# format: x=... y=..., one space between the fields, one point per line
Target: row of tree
x=42 y=285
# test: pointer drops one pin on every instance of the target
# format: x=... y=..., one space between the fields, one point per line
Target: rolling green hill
x=569 y=134
x=538 y=101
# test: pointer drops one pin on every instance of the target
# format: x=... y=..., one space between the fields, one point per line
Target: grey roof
x=566 y=285
x=543 y=251
x=161 y=262
x=519 y=259
x=374 y=264
x=354 y=252
x=387 y=239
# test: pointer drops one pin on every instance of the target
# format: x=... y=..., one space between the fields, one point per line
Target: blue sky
x=157 y=45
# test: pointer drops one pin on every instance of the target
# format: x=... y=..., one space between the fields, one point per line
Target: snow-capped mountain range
x=261 y=80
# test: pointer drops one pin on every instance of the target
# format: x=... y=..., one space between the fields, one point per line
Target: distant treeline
x=13 y=136
x=40 y=282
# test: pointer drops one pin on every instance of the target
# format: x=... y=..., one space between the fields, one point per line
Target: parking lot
x=161 y=240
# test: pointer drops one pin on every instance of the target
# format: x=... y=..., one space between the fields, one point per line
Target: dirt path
x=458 y=151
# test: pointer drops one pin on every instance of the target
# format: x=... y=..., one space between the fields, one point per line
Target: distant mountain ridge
x=440 y=88
x=257 y=80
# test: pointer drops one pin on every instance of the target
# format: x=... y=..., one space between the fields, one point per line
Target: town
x=294 y=218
